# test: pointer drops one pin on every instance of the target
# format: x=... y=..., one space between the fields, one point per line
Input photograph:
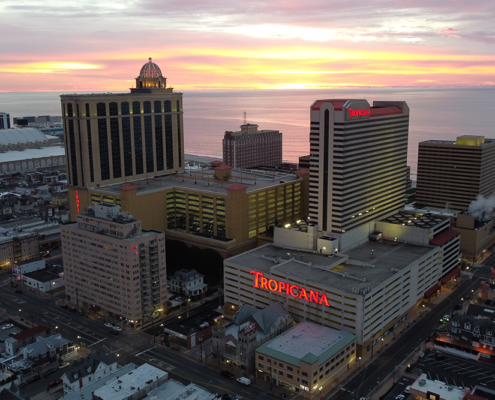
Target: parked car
x=54 y=383
x=65 y=364
x=45 y=254
x=227 y=396
x=108 y=325
x=457 y=307
x=34 y=379
x=50 y=371
x=8 y=326
x=19 y=291
x=440 y=357
x=117 y=328
x=64 y=306
x=227 y=374
x=73 y=309
x=244 y=381
x=407 y=389
x=114 y=332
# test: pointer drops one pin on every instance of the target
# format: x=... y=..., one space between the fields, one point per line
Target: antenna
x=245 y=119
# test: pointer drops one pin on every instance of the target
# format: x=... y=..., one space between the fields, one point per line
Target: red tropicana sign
x=358 y=113
x=293 y=290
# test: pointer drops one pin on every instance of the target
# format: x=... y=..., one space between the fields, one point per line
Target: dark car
x=227 y=374
x=114 y=332
x=54 y=383
x=50 y=371
x=227 y=396
x=457 y=307
x=18 y=291
x=73 y=309
x=64 y=306
x=34 y=379
x=440 y=357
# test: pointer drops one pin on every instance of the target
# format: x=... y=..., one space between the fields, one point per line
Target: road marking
x=101 y=340
x=151 y=348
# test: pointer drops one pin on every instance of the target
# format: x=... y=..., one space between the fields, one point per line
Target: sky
x=95 y=45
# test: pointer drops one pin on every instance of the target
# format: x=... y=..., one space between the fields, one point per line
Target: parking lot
x=457 y=371
x=399 y=389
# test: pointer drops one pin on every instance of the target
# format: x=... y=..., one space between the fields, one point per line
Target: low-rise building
x=477 y=235
x=85 y=392
x=132 y=386
x=173 y=390
x=251 y=327
x=469 y=336
x=307 y=357
x=426 y=389
x=187 y=282
x=17 y=245
x=480 y=393
x=45 y=280
x=89 y=369
x=190 y=333
x=21 y=339
x=46 y=350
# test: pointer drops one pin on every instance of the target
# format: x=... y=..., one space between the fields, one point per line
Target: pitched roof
x=43 y=345
x=88 y=365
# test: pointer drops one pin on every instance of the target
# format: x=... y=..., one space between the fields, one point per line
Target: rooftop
x=365 y=266
x=26 y=154
x=306 y=342
x=130 y=383
x=173 y=390
x=411 y=218
x=203 y=180
x=44 y=275
x=446 y=392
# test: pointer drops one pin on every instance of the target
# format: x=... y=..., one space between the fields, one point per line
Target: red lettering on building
x=263 y=283
x=358 y=113
x=77 y=200
x=293 y=290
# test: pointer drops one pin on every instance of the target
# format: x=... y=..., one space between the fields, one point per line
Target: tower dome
x=150 y=70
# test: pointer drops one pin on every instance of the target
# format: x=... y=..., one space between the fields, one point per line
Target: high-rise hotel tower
x=117 y=137
x=358 y=162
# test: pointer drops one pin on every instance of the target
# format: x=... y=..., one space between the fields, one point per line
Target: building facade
x=187 y=282
x=114 y=138
x=17 y=245
x=111 y=262
x=307 y=357
x=452 y=173
x=220 y=208
x=250 y=147
x=4 y=120
x=235 y=345
x=358 y=162
x=368 y=292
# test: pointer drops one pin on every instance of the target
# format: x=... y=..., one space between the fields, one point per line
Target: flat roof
x=418 y=219
x=446 y=392
x=173 y=390
x=28 y=154
x=43 y=275
x=307 y=342
x=203 y=180
x=362 y=267
x=130 y=383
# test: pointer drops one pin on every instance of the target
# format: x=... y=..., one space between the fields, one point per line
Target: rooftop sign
x=298 y=292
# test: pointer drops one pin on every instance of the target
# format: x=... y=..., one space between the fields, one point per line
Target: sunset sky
x=218 y=44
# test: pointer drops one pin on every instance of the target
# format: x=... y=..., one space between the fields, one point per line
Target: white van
x=244 y=381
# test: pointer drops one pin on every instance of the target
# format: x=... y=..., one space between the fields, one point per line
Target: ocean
x=441 y=114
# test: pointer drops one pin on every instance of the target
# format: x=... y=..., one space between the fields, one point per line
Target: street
x=373 y=375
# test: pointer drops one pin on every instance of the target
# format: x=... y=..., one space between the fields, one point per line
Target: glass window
x=157 y=105
x=90 y=146
x=115 y=139
x=101 y=109
x=103 y=143
x=127 y=145
x=169 y=141
x=167 y=105
x=124 y=108
x=147 y=107
x=160 y=159
x=70 y=111
x=113 y=108
x=87 y=110
x=136 y=107
x=72 y=146
x=138 y=145
x=148 y=143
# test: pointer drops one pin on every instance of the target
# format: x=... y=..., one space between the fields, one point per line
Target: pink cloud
x=448 y=30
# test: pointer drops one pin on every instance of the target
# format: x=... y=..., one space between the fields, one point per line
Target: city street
x=184 y=370
x=388 y=359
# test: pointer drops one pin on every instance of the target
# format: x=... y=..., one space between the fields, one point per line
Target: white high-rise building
x=358 y=162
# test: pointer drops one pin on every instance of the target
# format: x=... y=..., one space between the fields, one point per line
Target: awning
x=431 y=291
x=455 y=272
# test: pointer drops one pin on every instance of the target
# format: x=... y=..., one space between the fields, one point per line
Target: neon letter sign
x=295 y=291
x=358 y=113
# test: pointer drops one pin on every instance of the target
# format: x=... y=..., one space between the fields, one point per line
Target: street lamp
x=188 y=301
x=20 y=313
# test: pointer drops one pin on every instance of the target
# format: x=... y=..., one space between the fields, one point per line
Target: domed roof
x=150 y=70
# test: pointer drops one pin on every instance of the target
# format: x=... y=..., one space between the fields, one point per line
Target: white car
x=117 y=328
x=109 y=325
x=66 y=364
x=8 y=326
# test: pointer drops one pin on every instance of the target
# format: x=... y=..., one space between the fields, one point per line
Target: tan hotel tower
x=112 y=138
